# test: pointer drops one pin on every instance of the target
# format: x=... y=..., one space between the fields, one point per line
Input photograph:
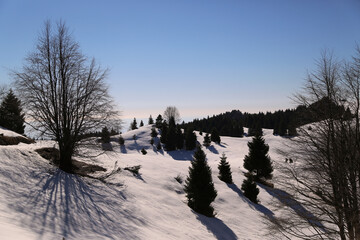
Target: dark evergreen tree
x=276 y=131
x=151 y=120
x=292 y=131
x=11 y=115
x=258 y=161
x=164 y=130
x=179 y=138
x=141 y=124
x=154 y=133
x=133 y=125
x=199 y=187
x=281 y=129
x=105 y=135
x=207 y=141
x=215 y=137
x=152 y=141
x=170 y=142
x=159 y=121
x=237 y=131
x=190 y=139
x=255 y=130
x=250 y=189
x=224 y=170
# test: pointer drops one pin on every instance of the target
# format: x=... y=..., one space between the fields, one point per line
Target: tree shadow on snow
x=134 y=146
x=267 y=212
x=181 y=155
x=65 y=205
x=288 y=200
x=217 y=227
x=213 y=149
x=223 y=145
x=123 y=149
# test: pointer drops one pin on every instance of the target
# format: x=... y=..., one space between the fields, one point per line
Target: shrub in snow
x=134 y=169
x=179 y=179
x=141 y=123
x=224 y=170
x=121 y=141
x=134 y=137
x=258 y=161
x=143 y=151
x=199 y=187
x=250 y=189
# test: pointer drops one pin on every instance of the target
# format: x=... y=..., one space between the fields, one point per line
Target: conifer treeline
x=284 y=122
x=232 y=123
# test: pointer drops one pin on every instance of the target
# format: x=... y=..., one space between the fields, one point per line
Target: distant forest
x=283 y=122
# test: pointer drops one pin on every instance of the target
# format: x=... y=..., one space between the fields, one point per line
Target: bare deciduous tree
x=63 y=92
x=172 y=111
x=326 y=177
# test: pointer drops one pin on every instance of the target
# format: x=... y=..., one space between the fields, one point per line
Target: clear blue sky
x=205 y=57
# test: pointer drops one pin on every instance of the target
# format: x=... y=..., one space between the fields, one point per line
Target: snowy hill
x=38 y=201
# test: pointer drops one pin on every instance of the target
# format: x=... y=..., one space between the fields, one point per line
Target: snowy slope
x=37 y=201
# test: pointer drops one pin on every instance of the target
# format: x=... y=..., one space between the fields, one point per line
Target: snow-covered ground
x=38 y=201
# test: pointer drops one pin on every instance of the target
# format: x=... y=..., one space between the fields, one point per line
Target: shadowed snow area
x=38 y=201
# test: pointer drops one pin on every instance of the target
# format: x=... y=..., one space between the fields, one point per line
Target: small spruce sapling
x=207 y=141
x=250 y=189
x=151 y=120
x=199 y=187
x=133 y=125
x=105 y=135
x=225 y=170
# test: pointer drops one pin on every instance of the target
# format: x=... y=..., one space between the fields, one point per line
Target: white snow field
x=38 y=201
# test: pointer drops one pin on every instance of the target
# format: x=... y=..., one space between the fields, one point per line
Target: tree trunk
x=66 y=158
